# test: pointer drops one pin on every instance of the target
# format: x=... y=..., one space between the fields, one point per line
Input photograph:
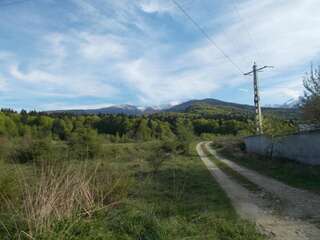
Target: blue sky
x=62 y=54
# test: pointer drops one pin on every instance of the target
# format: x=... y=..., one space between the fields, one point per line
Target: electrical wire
x=179 y=6
x=235 y=4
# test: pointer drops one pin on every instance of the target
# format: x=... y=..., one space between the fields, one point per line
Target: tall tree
x=142 y=132
x=311 y=103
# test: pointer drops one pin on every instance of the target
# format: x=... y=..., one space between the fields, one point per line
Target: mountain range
x=183 y=107
x=291 y=103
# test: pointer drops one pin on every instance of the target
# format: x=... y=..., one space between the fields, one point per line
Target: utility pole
x=258 y=117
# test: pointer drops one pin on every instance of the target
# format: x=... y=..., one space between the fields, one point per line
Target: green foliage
x=34 y=137
x=142 y=132
x=133 y=222
x=162 y=153
x=124 y=129
x=205 y=126
x=7 y=126
x=184 y=132
x=274 y=127
x=162 y=131
x=85 y=144
x=9 y=186
x=28 y=150
x=59 y=128
x=118 y=198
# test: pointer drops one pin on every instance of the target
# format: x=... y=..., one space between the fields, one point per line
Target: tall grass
x=119 y=197
x=57 y=194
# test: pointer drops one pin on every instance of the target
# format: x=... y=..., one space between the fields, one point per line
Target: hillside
x=204 y=106
x=208 y=102
x=214 y=106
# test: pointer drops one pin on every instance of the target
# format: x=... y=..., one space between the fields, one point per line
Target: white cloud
x=57 y=48
x=156 y=6
x=157 y=86
x=74 y=85
x=95 y=47
x=5 y=56
x=284 y=33
x=283 y=91
x=34 y=76
x=64 y=106
x=244 y=90
x=3 y=84
x=117 y=46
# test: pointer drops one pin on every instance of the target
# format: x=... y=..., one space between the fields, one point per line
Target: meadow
x=123 y=194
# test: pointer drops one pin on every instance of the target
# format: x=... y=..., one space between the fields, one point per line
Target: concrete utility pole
x=259 y=126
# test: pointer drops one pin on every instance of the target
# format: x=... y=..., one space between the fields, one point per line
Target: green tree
x=10 y=127
x=85 y=143
x=45 y=125
x=2 y=124
x=142 y=131
x=59 y=128
x=163 y=131
x=184 y=132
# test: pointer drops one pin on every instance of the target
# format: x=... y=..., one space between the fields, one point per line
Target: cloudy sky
x=60 y=54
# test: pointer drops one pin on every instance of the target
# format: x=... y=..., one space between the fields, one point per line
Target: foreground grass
x=179 y=201
x=290 y=172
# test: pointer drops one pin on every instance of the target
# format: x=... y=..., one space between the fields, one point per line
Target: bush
x=9 y=186
x=161 y=154
x=85 y=144
x=30 y=150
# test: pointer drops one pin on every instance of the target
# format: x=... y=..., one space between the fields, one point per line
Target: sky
x=66 y=54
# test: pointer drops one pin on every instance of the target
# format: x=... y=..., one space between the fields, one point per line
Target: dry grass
x=64 y=193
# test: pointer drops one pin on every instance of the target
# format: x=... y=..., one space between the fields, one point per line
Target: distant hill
x=116 y=109
x=208 y=105
x=211 y=106
x=209 y=101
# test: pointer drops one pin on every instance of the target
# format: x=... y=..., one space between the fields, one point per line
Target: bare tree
x=311 y=103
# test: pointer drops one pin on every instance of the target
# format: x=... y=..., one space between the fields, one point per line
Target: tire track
x=250 y=206
x=299 y=203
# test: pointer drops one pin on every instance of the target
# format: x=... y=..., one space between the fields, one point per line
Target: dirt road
x=289 y=224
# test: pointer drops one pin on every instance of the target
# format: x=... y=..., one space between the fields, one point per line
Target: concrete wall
x=302 y=147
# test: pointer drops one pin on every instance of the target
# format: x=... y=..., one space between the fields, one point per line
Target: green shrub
x=85 y=144
x=29 y=150
x=9 y=185
x=161 y=153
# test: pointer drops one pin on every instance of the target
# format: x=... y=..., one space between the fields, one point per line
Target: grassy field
x=292 y=173
x=121 y=196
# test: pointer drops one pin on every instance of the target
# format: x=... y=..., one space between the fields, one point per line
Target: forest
x=25 y=135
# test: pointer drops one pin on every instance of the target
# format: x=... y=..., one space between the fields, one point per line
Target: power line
x=235 y=5
x=207 y=36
